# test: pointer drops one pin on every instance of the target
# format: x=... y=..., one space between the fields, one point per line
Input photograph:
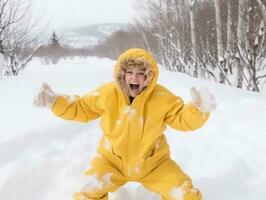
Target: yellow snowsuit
x=133 y=146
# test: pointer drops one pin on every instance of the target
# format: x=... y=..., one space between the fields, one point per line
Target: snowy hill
x=43 y=157
x=89 y=35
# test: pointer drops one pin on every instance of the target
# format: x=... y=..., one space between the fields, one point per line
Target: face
x=134 y=79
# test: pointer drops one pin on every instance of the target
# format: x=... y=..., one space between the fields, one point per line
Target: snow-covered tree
x=241 y=40
x=2 y=63
x=214 y=39
x=18 y=34
x=262 y=10
x=53 y=51
x=192 y=6
x=54 y=40
x=252 y=50
x=229 y=43
x=220 y=46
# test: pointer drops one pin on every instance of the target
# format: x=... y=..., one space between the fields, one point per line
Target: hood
x=136 y=53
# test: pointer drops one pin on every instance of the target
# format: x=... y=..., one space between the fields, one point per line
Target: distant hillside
x=88 y=36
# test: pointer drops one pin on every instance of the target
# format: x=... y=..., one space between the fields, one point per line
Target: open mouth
x=134 y=86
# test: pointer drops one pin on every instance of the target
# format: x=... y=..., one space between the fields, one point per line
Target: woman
x=134 y=112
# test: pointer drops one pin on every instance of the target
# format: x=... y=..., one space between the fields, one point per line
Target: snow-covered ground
x=43 y=157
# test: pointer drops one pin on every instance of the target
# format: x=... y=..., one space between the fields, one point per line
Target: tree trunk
x=229 y=43
x=2 y=60
x=193 y=37
x=241 y=38
x=263 y=11
x=220 y=46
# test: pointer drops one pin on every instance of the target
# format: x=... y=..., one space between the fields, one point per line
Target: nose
x=134 y=76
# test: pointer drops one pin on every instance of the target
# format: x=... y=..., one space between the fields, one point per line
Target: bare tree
x=220 y=46
x=192 y=6
x=2 y=62
x=241 y=40
x=229 y=44
x=18 y=33
x=263 y=10
x=218 y=40
x=253 y=54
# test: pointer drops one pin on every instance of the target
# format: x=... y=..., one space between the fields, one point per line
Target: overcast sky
x=74 y=13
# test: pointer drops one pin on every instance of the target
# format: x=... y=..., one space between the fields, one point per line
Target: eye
x=129 y=72
x=141 y=73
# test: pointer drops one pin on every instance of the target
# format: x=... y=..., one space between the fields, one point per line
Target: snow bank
x=43 y=157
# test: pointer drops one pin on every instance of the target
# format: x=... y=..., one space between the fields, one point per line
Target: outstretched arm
x=191 y=116
x=76 y=108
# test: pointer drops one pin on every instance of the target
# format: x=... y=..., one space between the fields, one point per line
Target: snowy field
x=43 y=157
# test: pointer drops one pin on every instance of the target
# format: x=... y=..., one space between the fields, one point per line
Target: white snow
x=177 y=193
x=129 y=111
x=43 y=157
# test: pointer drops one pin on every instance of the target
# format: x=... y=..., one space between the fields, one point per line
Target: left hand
x=203 y=99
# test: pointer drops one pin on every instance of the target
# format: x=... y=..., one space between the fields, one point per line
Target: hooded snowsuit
x=133 y=146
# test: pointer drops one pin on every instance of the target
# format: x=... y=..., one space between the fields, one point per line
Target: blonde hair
x=140 y=63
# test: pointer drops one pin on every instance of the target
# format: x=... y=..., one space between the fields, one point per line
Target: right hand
x=45 y=98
